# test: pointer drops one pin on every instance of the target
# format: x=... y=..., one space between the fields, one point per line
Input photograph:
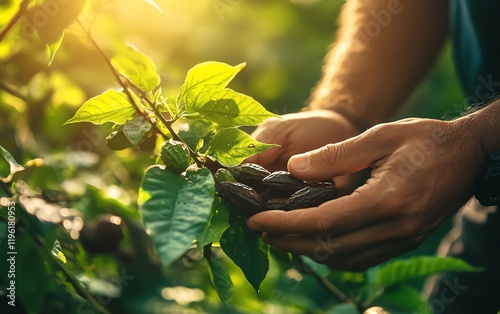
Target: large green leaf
x=110 y=106
x=403 y=270
x=218 y=223
x=246 y=249
x=220 y=279
x=206 y=73
x=175 y=208
x=13 y=164
x=137 y=67
x=231 y=146
x=402 y=299
x=228 y=108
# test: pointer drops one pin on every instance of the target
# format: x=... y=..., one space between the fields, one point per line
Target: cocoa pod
x=242 y=199
x=249 y=174
x=222 y=175
x=118 y=141
x=175 y=155
x=276 y=203
x=311 y=196
x=282 y=181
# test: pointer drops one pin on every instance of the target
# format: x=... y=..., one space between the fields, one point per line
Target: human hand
x=422 y=172
x=301 y=132
x=298 y=133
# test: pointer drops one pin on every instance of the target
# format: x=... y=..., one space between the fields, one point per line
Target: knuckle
x=329 y=154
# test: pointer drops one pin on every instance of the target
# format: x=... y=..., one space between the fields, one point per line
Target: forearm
x=483 y=127
x=377 y=61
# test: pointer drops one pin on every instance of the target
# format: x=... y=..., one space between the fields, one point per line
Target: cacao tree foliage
x=108 y=199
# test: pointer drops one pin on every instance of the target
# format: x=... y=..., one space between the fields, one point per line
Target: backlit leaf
x=137 y=67
x=110 y=106
x=231 y=146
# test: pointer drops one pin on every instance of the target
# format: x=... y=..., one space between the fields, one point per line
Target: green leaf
x=53 y=47
x=422 y=266
x=175 y=208
x=57 y=252
x=110 y=106
x=218 y=223
x=137 y=67
x=220 y=278
x=246 y=249
x=231 y=146
x=402 y=299
x=206 y=73
x=198 y=134
x=14 y=166
x=228 y=108
x=136 y=129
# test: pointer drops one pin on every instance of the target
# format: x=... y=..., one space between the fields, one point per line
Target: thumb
x=340 y=158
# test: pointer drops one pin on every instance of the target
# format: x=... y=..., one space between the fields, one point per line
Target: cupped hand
x=298 y=133
x=422 y=172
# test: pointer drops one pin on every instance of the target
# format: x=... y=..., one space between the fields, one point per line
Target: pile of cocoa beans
x=249 y=188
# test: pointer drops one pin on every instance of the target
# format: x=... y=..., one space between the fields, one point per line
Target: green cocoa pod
x=175 y=155
x=118 y=141
x=282 y=181
x=223 y=175
x=249 y=174
x=276 y=203
x=242 y=199
x=311 y=196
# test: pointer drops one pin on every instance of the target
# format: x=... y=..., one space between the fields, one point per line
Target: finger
x=272 y=131
x=335 y=217
x=341 y=158
x=329 y=247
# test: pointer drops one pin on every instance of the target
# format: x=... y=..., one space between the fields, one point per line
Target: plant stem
x=12 y=90
x=325 y=283
x=22 y=10
x=175 y=136
x=119 y=80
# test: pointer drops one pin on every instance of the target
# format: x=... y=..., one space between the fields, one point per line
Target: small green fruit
x=175 y=155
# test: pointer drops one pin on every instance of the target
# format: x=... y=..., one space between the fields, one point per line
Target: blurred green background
x=283 y=43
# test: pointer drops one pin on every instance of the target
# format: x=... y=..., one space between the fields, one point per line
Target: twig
x=22 y=10
x=12 y=90
x=168 y=125
x=119 y=80
x=330 y=287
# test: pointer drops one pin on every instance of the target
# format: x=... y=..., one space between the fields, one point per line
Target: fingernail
x=253 y=225
x=300 y=162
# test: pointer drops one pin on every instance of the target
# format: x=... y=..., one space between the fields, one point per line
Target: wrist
x=484 y=127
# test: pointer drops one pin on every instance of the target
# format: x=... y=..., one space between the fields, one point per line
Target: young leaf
x=228 y=108
x=53 y=47
x=220 y=278
x=110 y=106
x=231 y=146
x=246 y=249
x=175 y=208
x=136 y=129
x=402 y=299
x=218 y=223
x=14 y=166
x=206 y=73
x=403 y=270
x=137 y=67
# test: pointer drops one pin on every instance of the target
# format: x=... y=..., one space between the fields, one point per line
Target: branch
x=12 y=90
x=168 y=125
x=119 y=80
x=330 y=287
x=22 y=10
